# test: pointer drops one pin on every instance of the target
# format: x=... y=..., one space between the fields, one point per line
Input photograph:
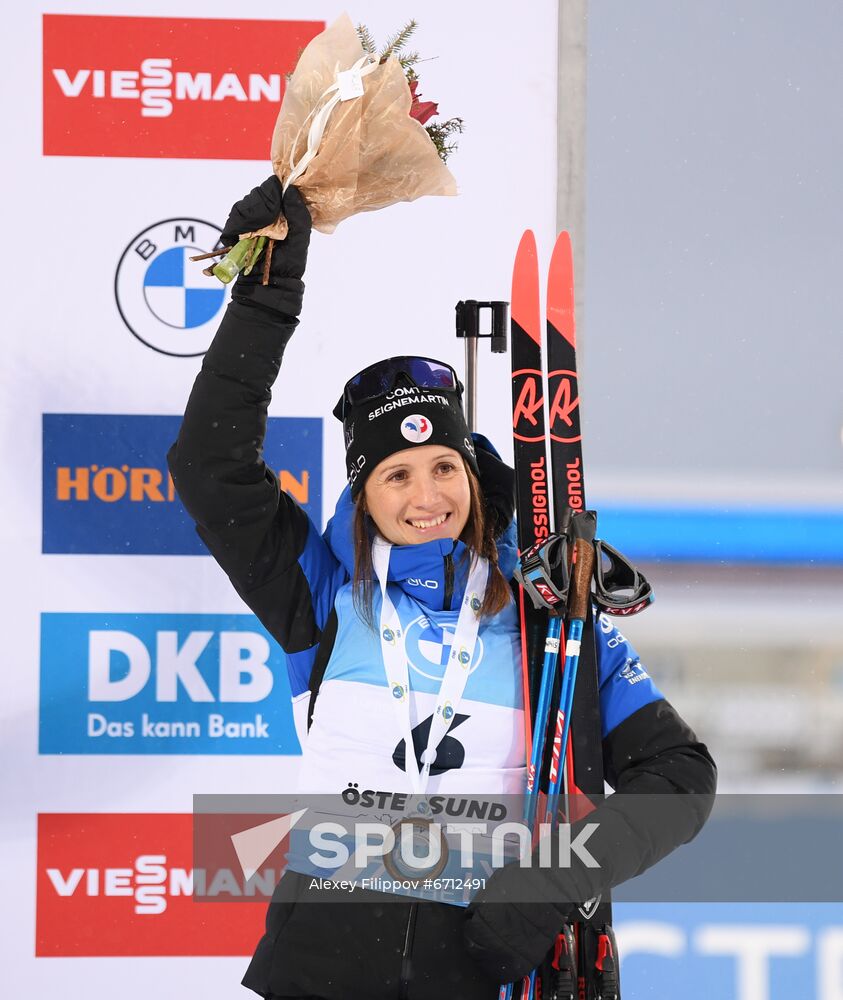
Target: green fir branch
x=366 y=40
x=409 y=60
x=398 y=40
x=440 y=132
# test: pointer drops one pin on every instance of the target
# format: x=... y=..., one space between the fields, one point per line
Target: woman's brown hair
x=477 y=535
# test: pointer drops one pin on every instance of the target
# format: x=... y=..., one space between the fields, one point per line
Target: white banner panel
x=136 y=677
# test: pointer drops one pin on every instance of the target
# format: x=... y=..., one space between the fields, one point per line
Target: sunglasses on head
x=380 y=378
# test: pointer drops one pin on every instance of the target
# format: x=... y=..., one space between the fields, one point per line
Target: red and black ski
x=549 y=466
x=597 y=960
x=532 y=488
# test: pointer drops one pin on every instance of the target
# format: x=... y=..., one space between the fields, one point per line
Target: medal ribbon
x=456 y=671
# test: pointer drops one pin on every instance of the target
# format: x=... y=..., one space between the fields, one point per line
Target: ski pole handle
x=581 y=572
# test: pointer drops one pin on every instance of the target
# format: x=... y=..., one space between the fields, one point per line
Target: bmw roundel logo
x=416 y=428
x=164 y=299
x=429 y=648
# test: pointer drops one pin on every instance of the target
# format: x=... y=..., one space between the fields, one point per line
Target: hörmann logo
x=194 y=88
x=138 y=485
x=107 y=490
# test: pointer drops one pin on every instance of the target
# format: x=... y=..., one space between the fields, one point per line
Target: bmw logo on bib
x=164 y=298
x=428 y=648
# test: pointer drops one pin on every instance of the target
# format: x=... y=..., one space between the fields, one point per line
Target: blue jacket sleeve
x=625 y=686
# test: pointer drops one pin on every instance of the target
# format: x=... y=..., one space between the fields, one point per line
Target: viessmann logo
x=165 y=87
x=124 y=884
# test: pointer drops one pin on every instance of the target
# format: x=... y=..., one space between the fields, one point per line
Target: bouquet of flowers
x=352 y=135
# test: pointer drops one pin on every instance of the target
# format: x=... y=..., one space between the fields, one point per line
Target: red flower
x=422 y=111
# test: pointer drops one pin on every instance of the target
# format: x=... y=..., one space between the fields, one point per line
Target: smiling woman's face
x=419 y=494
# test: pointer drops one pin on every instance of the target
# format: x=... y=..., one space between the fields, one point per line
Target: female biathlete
x=427 y=518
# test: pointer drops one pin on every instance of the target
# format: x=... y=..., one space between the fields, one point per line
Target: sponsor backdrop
x=135 y=676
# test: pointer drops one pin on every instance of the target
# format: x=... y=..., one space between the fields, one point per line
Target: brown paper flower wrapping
x=372 y=153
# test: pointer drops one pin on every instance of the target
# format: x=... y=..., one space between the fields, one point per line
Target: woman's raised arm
x=262 y=539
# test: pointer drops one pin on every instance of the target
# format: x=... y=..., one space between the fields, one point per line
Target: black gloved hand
x=261 y=207
x=506 y=936
x=497 y=481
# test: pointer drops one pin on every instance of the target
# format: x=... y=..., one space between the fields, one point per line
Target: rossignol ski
x=532 y=498
x=559 y=555
x=597 y=965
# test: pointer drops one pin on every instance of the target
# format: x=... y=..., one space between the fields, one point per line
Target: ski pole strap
x=543 y=573
x=619 y=588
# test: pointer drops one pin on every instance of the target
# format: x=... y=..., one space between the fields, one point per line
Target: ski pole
x=551 y=657
x=582 y=567
x=563 y=719
x=543 y=575
x=580 y=595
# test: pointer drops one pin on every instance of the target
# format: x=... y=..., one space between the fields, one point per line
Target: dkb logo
x=162 y=684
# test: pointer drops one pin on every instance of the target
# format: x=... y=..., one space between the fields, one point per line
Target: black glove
x=497 y=481
x=661 y=802
x=261 y=207
x=508 y=937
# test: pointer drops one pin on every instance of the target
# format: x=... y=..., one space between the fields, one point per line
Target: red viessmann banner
x=123 y=884
x=166 y=87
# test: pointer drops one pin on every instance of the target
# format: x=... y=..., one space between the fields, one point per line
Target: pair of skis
x=556 y=544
